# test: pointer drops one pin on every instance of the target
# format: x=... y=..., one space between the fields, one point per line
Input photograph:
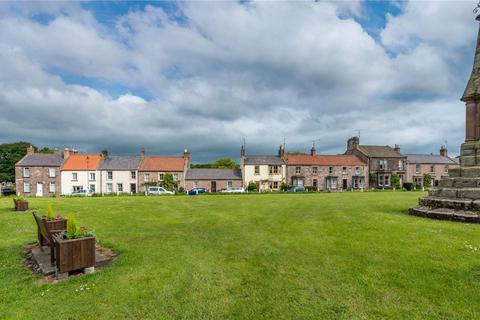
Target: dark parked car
x=297 y=189
x=196 y=191
x=8 y=191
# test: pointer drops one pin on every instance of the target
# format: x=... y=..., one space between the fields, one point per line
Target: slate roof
x=472 y=91
x=82 y=162
x=258 y=160
x=429 y=158
x=161 y=163
x=379 y=151
x=41 y=160
x=214 y=174
x=126 y=163
x=323 y=160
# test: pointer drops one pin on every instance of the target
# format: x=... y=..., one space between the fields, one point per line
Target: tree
x=220 y=163
x=396 y=181
x=11 y=153
x=284 y=186
x=427 y=180
x=168 y=182
x=252 y=187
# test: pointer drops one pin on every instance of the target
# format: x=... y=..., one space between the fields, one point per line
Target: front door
x=344 y=186
x=213 y=186
x=39 y=189
x=133 y=188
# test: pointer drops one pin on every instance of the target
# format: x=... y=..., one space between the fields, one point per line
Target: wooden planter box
x=20 y=205
x=58 y=224
x=74 y=254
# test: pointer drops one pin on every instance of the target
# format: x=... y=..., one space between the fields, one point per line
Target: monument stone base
x=457 y=196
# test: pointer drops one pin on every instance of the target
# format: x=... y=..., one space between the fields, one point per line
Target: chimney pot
x=142 y=153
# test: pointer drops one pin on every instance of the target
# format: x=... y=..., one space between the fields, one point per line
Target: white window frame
x=175 y=176
x=196 y=184
x=383 y=164
x=344 y=170
x=26 y=187
x=400 y=165
x=133 y=175
x=109 y=175
x=229 y=184
x=109 y=187
x=90 y=175
x=92 y=188
x=161 y=176
x=256 y=170
x=331 y=170
x=26 y=172
x=119 y=187
x=298 y=170
x=358 y=171
x=146 y=177
x=314 y=170
x=74 y=176
x=52 y=187
x=52 y=172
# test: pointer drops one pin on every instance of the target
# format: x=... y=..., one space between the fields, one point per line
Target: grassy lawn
x=295 y=256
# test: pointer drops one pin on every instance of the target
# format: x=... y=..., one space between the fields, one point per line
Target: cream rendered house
x=119 y=174
x=267 y=172
x=80 y=172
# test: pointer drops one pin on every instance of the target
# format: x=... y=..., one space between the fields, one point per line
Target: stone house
x=119 y=174
x=382 y=162
x=152 y=169
x=80 y=172
x=38 y=174
x=326 y=172
x=437 y=165
x=213 y=180
x=266 y=171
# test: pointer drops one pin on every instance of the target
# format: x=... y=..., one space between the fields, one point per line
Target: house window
x=92 y=176
x=432 y=168
x=133 y=175
x=273 y=169
x=417 y=168
x=331 y=183
x=384 y=180
x=92 y=188
x=383 y=164
x=26 y=187
x=51 y=187
x=175 y=176
x=298 y=170
x=275 y=185
x=344 y=170
x=77 y=188
x=230 y=184
x=357 y=171
x=74 y=176
x=330 y=170
x=109 y=187
x=52 y=172
x=119 y=187
x=400 y=164
x=161 y=176
x=355 y=183
x=146 y=177
x=314 y=170
x=315 y=183
x=257 y=169
x=109 y=175
x=446 y=168
x=26 y=173
x=196 y=184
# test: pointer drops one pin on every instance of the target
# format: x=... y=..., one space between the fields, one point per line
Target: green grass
x=279 y=256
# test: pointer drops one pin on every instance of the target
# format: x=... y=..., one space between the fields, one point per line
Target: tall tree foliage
x=11 y=153
x=221 y=163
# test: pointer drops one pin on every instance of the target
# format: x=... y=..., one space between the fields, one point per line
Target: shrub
x=395 y=181
x=168 y=182
x=50 y=214
x=284 y=186
x=74 y=231
x=427 y=180
x=311 y=189
x=181 y=190
x=409 y=186
x=252 y=187
x=20 y=198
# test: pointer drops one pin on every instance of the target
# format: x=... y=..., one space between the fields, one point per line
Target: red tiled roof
x=321 y=160
x=82 y=162
x=158 y=163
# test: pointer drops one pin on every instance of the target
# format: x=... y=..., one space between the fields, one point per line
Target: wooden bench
x=47 y=234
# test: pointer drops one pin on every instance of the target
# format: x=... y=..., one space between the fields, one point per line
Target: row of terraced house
x=360 y=167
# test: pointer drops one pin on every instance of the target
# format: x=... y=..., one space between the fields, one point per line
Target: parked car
x=158 y=191
x=297 y=189
x=8 y=191
x=234 y=190
x=81 y=193
x=196 y=191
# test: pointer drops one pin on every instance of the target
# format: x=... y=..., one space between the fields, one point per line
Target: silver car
x=157 y=191
x=234 y=190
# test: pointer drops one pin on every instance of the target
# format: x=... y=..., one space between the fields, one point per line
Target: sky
x=205 y=75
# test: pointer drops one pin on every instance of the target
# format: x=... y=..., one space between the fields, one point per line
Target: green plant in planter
x=74 y=231
x=50 y=214
x=20 y=198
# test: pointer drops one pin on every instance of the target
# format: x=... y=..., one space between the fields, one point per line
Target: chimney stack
x=281 y=152
x=104 y=154
x=444 y=151
x=142 y=153
x=353 y=143
x=186 y=158
x=66 y=153
x=397 y=148
x=313 y=151
x=30 y=150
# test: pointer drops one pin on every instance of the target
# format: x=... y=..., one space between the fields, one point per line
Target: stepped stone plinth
x=458 y=196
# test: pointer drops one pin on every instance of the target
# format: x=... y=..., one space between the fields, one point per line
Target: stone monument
x=457 y=196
